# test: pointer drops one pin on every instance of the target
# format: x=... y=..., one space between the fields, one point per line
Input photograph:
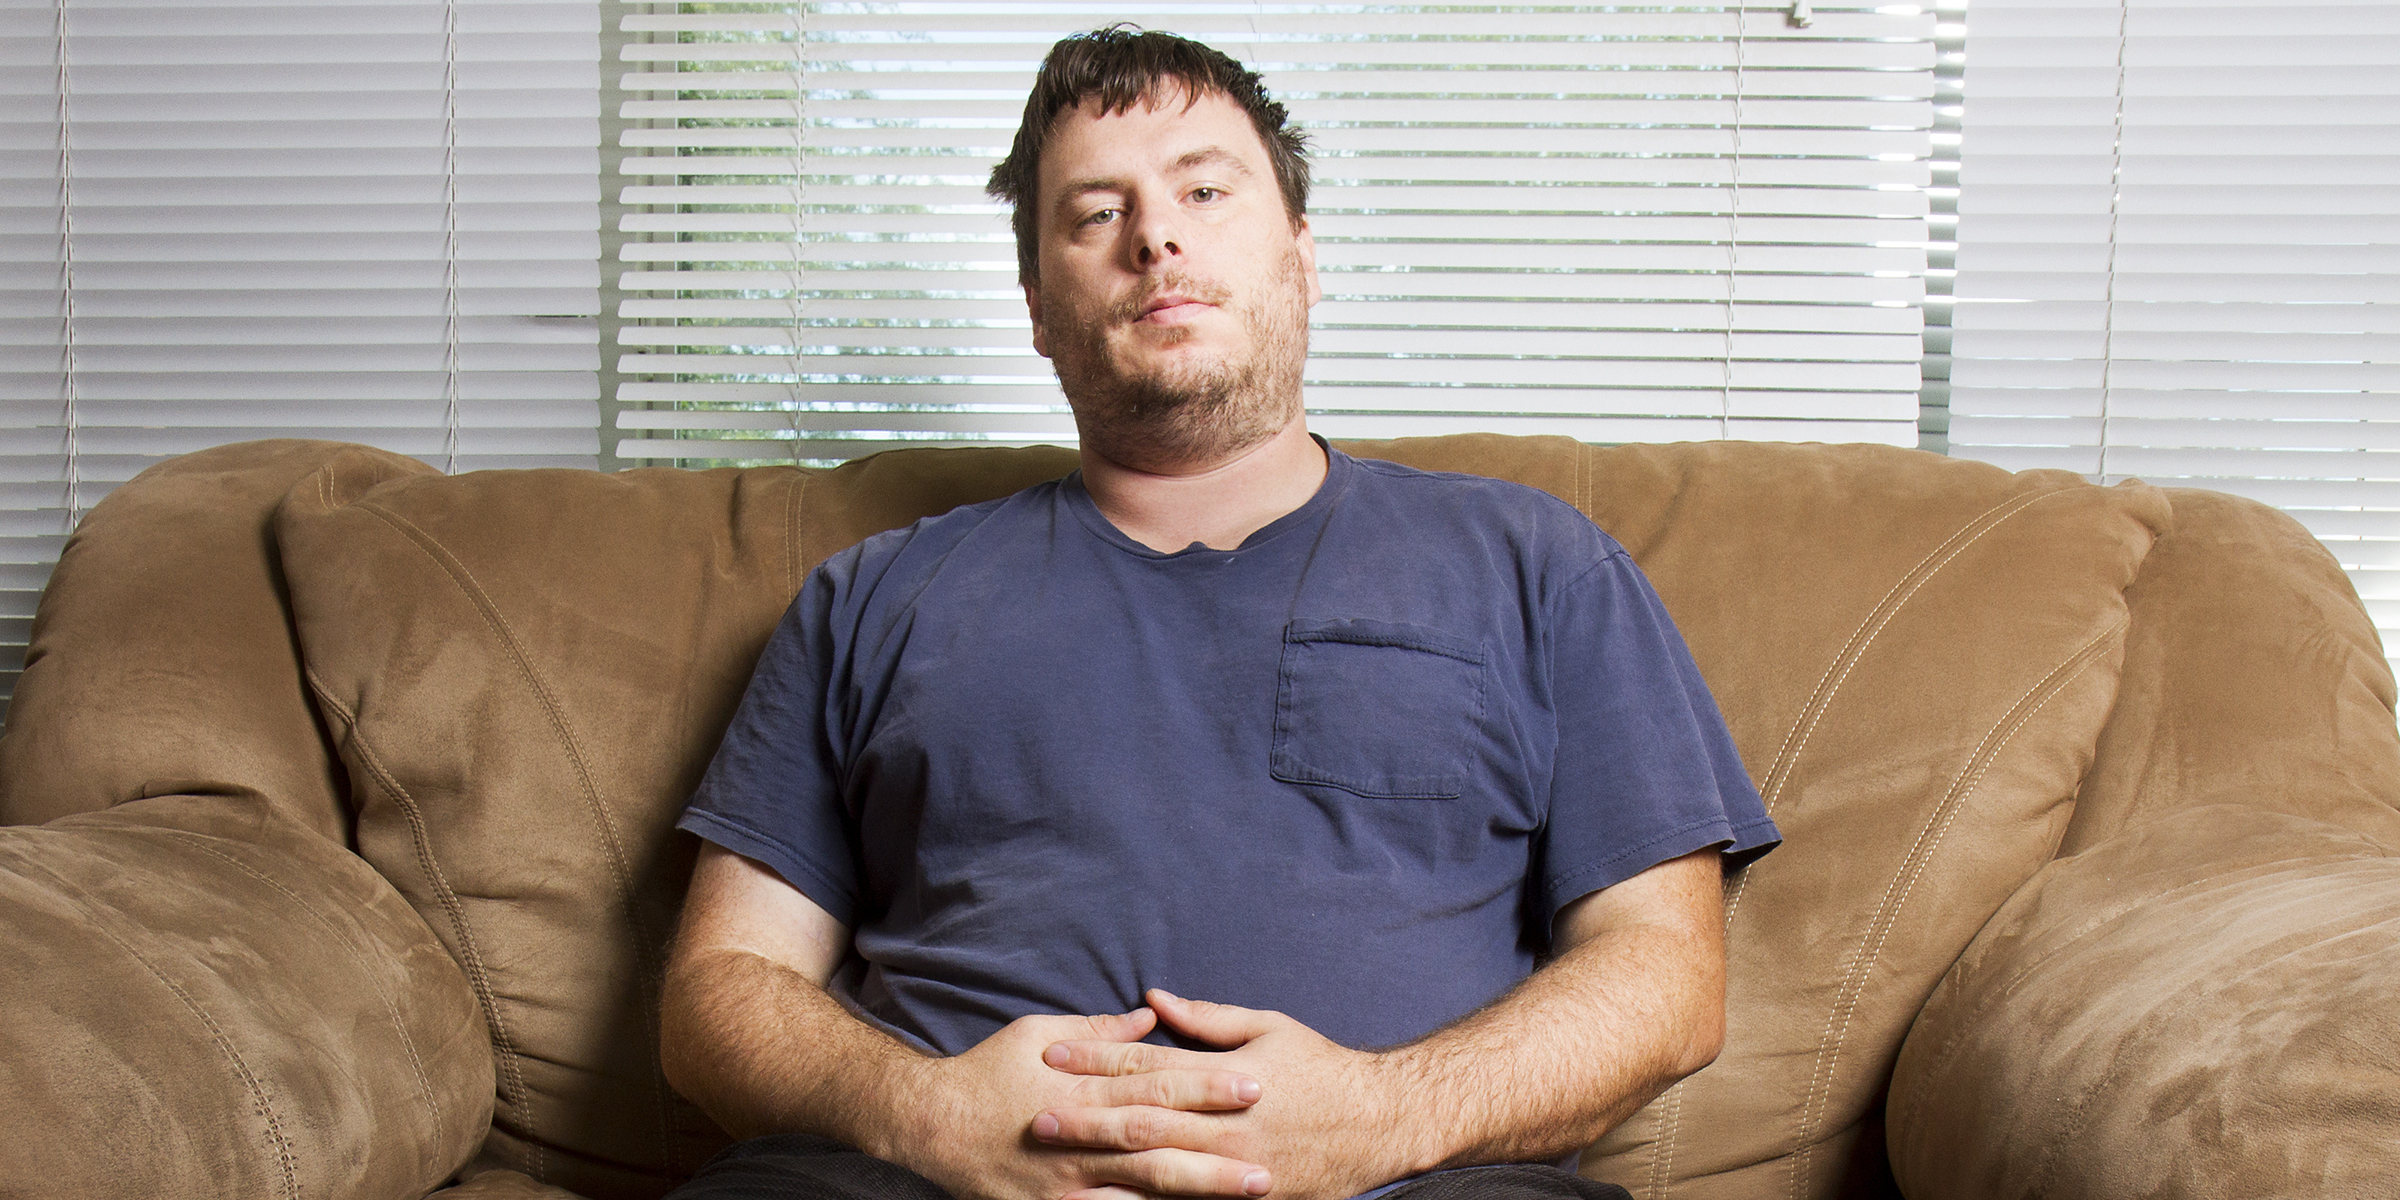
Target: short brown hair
x=1123 y=64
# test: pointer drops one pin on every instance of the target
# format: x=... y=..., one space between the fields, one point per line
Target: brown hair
x=1120 y=65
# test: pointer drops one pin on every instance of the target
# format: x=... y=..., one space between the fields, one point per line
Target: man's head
x=1165 y=264
x=1119 y=67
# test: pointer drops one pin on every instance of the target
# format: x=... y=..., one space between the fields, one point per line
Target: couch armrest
x=2199 y=1006
x=200 y=997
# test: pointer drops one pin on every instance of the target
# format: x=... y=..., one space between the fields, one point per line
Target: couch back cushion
x=527 y=671
x=2252 y=676
x=1915 y=655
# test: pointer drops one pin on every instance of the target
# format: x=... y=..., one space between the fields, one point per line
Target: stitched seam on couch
x=1837 y=672
x=286 y=1163
x=1662 y=1151
x=793 y=552
x=512 y=1077
x=648 y=958
x=391 y=1009
x=1928 y=840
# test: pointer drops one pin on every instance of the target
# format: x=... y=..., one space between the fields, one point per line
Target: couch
x=338 y=796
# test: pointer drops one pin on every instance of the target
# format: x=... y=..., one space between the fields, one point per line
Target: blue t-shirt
x=1348 y=771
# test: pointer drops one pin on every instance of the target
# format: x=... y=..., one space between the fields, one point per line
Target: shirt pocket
x=1378 y=708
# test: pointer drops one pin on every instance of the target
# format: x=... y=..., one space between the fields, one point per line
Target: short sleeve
x=773 y=791
x=1645 y=769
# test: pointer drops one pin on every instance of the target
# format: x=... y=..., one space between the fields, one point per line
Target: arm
x=748 y=1032
x=1634 y=1001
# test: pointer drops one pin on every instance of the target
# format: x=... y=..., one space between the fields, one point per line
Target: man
x=1340 y=749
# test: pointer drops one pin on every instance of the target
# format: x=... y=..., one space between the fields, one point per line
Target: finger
x=1109 y=1027
x=1114 y=1057
x=1225 y=1025
x=1111 y=1192
x=1180 y=1173
x=1184 y=1090
x=1136 y=1127
x=1123 y=1027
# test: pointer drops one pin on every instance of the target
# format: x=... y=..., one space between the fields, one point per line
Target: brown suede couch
x=339 y=796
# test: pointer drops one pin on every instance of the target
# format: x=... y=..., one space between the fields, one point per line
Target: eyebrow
x=1204 y=156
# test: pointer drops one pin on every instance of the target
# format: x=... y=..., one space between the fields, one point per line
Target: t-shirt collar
x=1338 y=467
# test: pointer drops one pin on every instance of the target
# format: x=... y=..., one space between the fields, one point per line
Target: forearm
x=763 y=1049
x=1565 y=1056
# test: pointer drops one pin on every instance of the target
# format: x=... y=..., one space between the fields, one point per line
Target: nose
x=1156 y=237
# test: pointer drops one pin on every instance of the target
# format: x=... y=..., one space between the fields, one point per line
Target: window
x=368 y=221
x=1675 y=222
x=2179 y=257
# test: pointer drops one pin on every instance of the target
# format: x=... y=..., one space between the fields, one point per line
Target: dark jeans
x=791 y=1166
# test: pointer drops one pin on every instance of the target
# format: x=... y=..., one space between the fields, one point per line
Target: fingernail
x=1045 y=1127
x=1169 y=995
x=1054 y=1055
x=1255 y=1183
x=1245 y=1090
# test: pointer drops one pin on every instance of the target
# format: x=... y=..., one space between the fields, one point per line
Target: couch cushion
x=2200 y=1006
x=2251 y=675
x=166 y=615
x=206 y=998
x=526 y=672
x=1915 y=655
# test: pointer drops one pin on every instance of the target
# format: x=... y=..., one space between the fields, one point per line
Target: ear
x=1308 y=262
x=1033 y=308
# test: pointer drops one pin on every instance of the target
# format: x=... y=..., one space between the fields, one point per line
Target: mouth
x=1172 y=308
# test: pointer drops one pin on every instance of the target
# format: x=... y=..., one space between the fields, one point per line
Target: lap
x=793 y=1166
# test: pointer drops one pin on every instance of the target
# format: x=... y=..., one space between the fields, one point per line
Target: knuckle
x=1146 y=1128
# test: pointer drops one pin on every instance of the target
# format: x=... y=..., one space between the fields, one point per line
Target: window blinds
x=2179 y=256
x=1657 y=224
x=369 y=221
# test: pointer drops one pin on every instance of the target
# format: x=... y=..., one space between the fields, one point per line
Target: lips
x=1176 y=298
x=1169 y=309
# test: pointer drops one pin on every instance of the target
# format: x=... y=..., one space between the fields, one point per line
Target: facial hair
x=1197 y=411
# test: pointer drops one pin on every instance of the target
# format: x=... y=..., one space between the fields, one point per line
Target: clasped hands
x=1279 y=1108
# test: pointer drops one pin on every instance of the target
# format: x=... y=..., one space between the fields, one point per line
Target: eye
x=1206 y=195
x=1099 y=217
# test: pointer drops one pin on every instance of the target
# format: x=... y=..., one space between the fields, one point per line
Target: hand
x=1328 y=1123
x=967 y=1123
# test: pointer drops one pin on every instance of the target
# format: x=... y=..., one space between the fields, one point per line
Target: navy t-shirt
x=1348 y=771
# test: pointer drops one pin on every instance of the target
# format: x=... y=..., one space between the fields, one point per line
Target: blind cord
x=450 y=416
x=1733 y=222
x=797 y=300
x=2116 y=195
x=70 y=383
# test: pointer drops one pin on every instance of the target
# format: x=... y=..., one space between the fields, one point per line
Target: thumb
x=1222 y=1025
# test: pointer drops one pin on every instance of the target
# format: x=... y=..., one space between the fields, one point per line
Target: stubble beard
x=1196 y=412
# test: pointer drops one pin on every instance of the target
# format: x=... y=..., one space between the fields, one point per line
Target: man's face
x=1174 y=290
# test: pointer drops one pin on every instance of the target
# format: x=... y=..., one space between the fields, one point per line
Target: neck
x=1216 y=504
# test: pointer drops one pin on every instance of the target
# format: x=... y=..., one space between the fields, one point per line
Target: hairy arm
x=1633 y=1001
x=749 y=1034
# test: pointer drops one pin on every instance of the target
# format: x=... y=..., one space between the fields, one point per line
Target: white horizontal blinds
x=369 y=221
x=2180 y=256
x=1671 y=223
x=327 y=218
